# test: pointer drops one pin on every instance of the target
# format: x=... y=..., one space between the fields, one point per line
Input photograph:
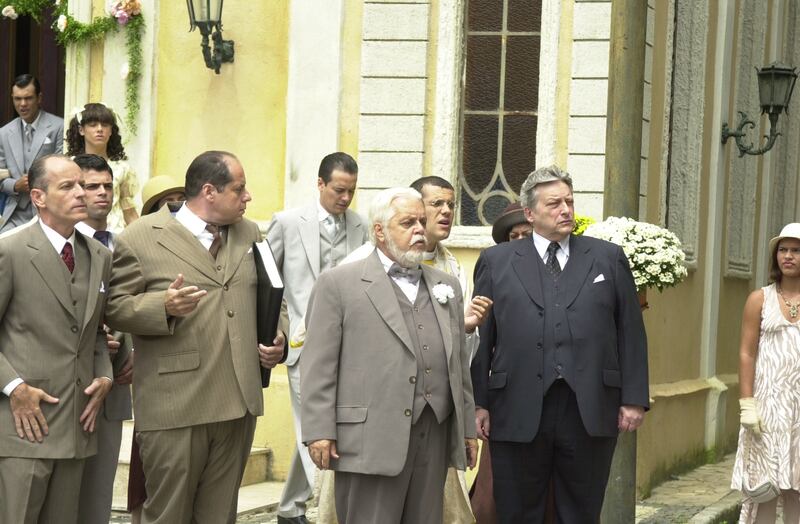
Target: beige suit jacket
x=357 y=362
x=43 y=343
x=183 y=371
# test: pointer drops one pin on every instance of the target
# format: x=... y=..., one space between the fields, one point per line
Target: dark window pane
x=483 y=73
x=522 y=73
x=479 y=153
x=485 y=15
x=524 y=15
x=493 y=207
x=519 y=149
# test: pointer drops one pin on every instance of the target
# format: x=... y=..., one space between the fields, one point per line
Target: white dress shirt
x=58 y=244
x=195 y=225
x=408 y=288
x=541 y=244
x=89 y=231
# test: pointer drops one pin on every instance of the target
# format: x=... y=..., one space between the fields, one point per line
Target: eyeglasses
x=439 y=203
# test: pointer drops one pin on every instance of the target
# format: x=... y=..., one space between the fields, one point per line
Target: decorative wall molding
x=742 y=185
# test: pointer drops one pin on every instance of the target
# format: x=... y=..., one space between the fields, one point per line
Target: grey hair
x=543 y=175
x=381 y=210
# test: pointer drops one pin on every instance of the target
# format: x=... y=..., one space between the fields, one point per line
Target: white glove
x=748 y=415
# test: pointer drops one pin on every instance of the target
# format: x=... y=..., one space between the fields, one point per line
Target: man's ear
x=379 y=233
x=38 y=197
x=208 y=191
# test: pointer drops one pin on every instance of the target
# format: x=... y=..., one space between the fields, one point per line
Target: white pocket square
x=599 y=278
x=47 y=140
x=249 y=250
x=102 y=287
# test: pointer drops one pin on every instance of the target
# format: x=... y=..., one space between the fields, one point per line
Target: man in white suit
x=305 y=242
x=34 y=133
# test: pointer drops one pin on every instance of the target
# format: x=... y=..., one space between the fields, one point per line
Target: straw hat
x=789 y=231
x=155 y=189
x=511 y=216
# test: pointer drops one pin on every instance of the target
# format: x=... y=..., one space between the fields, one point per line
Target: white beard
x=408 y=259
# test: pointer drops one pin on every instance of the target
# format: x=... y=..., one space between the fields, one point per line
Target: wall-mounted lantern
x=206 y=15
x=775 y=86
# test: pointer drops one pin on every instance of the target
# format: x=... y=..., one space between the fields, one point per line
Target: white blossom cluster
x=654 y=253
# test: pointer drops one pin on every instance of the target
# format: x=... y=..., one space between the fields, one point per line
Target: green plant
x=124 y=14
x=581 y=223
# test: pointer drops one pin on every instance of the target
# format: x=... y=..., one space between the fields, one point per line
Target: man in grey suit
x=305 y=242
x=387 y=397
x=33 y=134
x=53 y=379
x=562 y=364
x=97 y=484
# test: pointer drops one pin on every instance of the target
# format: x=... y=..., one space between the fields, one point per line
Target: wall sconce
x=775 y=86
x=206 y=15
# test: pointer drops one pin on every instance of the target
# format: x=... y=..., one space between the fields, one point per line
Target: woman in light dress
x=768 y=456
x=94 y=130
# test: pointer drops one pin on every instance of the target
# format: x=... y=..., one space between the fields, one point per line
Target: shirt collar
x=34 y=124
x=431 y=255
x=322 y=214
x=385 y=261
x=541 y=244
x=190 y=220
x=85 y=228
x=55 y=238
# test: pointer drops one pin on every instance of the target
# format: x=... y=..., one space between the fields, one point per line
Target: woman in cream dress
x=769 y=381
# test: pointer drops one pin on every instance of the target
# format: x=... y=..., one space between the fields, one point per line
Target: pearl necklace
x=793 y=308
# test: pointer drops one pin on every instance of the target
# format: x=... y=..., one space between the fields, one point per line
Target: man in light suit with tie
x=561 y=367
x=305 y=242
x=34 y=133
x=54 y=365
x=97 y=484
x=184 y=285
x=387 y=397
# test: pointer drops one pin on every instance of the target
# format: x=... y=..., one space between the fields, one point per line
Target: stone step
x=257 y=471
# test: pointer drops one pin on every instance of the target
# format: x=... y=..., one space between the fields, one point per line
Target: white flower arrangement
x=654 y=253
x=61 y=23
x=443 y=293
x=9 y=12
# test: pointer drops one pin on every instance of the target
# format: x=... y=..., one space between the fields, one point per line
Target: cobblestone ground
x=256 y=517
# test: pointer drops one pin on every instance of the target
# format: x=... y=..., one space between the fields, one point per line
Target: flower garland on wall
x=121 y=13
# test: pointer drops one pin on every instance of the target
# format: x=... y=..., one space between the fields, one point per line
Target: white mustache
x=417 y=238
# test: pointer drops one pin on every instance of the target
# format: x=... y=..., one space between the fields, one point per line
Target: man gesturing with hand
x=54 y=375
x=184 y=285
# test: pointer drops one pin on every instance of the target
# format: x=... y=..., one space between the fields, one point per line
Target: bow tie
x=412 y=275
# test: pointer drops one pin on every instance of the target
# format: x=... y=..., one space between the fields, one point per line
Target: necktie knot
x=68 y=256
x=411 y=274
x=552 y=263
x=216 y=243
x=104 y=237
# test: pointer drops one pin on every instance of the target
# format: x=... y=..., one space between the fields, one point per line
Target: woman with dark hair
x=766 y=467
x=94 y=130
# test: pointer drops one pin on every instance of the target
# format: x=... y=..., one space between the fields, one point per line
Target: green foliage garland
x=76 y=32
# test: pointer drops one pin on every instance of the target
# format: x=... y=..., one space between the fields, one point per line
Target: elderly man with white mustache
x=387 y=396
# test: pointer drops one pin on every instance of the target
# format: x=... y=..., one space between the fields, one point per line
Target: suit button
x=416 y=309
x=219 y=268
x=74 y=329
x=539 y=345
x=539 y=376
x=558 y=324
x=427 y=395
x=74 y=302
x=420 y=326
x=407 y=412
x=425 y=347
x=541 y=313
x=413 y=380
x=428 y=371
x=556 y=305
x=78 y=382
x=559 y=367
x=230 y=313
x=225 y=287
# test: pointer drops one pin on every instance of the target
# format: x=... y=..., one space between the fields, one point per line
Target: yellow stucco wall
x=242 y=110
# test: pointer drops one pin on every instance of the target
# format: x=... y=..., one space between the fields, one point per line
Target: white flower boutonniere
x=443 y=293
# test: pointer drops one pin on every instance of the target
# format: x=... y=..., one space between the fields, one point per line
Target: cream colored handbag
x=760 y=493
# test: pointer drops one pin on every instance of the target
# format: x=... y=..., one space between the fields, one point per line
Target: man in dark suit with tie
x=34 y=134
x=562 y=364
x=97 y=484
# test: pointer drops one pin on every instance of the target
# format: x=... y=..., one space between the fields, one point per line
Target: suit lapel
x=15 y=140
x=526 y=268
x=577 y=269
x=309 y=237
x=236 y=246
x=38 y=137
x=49 y=266
x=178 y=240
x=382 y=295
x=442 y=310
x=95 y=277
x=354 y=235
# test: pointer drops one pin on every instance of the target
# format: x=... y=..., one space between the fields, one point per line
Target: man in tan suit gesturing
x=387 y=397
x=184 y=285
x=55 y=373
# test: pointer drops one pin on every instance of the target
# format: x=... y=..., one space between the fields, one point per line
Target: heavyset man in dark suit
x=562 y=362
x=33 y=134
x=387 y=399
x=54 y=374
x=97 y=483
x=184 y=285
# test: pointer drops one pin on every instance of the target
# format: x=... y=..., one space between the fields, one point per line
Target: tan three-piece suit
x=388 y=380
x=51 y=336
x=197 y=385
